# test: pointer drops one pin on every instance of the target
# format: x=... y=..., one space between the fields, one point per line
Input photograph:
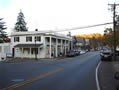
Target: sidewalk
x=106 y=73
x=42 y=60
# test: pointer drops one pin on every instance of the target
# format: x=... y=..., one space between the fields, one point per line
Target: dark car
x=71 y=53
x=116 y=76
x=77 y=52
x=117 y=52
x=106 y=55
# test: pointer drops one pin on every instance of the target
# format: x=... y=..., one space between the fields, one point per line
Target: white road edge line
x=97 y=81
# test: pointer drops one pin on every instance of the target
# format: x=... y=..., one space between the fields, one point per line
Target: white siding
x=5 y=48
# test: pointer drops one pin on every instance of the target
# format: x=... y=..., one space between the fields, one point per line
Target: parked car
x=71 y=53
x=116 y=76
x=86 y=50
x=82 y=51
x=77 y=52
x=106 y=55
x=117 y=52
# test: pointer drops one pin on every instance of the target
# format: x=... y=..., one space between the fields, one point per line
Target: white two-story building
x=37 y=44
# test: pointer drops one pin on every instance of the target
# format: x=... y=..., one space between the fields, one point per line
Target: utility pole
x=114 y=29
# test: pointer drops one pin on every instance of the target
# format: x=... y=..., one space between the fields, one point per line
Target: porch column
x=44 y=47
x=50 y=47
x=30 y=52
x=61 y=46
x=65 y=47
x=68 y=45
x=22 y=53
x=56 y=53
x=71 y=45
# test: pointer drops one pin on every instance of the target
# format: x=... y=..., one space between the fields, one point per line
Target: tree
x=74 y=42
x=108 y=37
x=93 y=43
x=69 y=34
x=117 y=35
x=20 y=24
x=3 y=35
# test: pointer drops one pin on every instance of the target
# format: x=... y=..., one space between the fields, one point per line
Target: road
x=75 y=73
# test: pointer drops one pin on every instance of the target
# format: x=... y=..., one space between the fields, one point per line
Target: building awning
x=28 y=45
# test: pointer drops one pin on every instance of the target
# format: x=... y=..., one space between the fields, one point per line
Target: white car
x=82 y=51
x=106 y=55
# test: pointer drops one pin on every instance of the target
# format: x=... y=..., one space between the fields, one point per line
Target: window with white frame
x=28 y=39
x=16 y=39
x=37 y=38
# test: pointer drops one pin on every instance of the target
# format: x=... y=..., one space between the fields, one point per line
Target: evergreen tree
x=3 y=35
x=20 y=24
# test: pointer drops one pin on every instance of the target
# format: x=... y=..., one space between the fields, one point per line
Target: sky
x=58 y=14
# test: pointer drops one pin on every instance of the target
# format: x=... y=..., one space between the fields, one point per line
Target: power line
x=75 y=28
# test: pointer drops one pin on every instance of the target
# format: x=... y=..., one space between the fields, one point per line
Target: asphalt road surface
x=75 y=73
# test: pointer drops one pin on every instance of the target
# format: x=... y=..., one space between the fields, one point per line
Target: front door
x=13 y=52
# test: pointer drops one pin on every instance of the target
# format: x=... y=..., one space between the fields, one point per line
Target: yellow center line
x=31 y=80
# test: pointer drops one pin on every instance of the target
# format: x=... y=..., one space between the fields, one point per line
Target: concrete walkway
x=106 y=75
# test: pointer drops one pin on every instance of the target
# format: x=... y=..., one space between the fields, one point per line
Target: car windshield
x=106 y=53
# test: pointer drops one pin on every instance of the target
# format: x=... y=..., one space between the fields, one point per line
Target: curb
x=97 y=81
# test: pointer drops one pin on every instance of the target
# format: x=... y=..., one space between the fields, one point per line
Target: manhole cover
x=17 y=80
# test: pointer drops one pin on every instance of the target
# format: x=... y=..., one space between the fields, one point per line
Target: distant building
x=87 y=44
x=87 y=41
x=80 y=43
